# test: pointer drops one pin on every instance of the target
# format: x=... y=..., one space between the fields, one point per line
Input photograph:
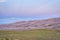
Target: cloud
x=2 y=0
x=44 y=8
x=20 y=9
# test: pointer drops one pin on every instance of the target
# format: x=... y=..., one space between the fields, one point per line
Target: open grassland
x=35 y=34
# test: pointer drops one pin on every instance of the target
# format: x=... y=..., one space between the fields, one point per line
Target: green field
x=35 y=34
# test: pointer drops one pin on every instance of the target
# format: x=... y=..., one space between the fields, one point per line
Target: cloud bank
x=29 y=8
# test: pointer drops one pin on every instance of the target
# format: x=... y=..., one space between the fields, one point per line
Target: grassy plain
x=35 y=34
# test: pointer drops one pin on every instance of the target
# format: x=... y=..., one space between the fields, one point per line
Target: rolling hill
x=52 y=23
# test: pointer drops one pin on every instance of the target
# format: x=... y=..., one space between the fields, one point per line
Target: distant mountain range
x=52 y=23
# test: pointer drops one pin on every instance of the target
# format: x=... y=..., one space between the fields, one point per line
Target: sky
x=18 y=10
